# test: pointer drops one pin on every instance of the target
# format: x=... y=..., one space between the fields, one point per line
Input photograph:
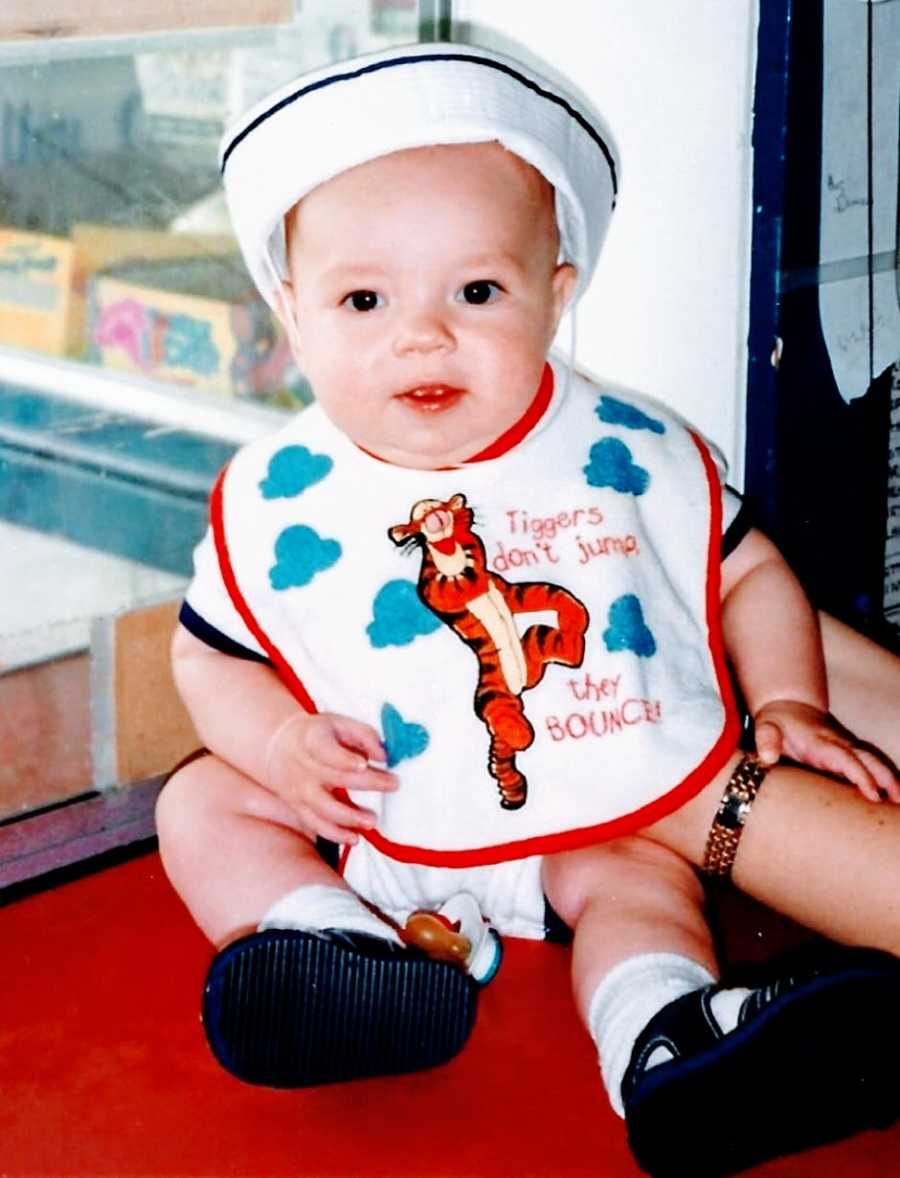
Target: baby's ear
x=284 y=310
x=564 y=279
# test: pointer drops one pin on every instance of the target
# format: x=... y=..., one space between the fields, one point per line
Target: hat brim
x=326 y=122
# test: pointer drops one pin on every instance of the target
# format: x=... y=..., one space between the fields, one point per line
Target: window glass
x=135 y=354
x=115 y=248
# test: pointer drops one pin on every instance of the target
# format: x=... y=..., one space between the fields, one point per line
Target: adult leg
x=812 y=848
x=863 y=686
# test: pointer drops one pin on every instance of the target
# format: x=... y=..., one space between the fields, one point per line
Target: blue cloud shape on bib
x=300 y=553
x=627 y=628
x=616 y=412
x=292 y=470
x=402 y=738
x=611 y=465
x=398 y=615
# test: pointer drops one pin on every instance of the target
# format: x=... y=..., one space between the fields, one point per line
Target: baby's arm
x=772 y=638
x=245 y=715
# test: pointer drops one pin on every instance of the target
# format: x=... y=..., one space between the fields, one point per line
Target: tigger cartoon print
x=478 y=605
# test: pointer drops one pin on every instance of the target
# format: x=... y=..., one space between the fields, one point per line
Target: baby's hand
x=311 y=758
x=812 y=737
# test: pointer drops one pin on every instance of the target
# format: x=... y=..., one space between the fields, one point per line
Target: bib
x=535 y=636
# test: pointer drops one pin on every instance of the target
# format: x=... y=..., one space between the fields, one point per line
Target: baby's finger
x=362 y=737
x=884 y=776
x=769 y=742
x=334 y=833
x=342 y=813
x=371 y=779
x=326 y=749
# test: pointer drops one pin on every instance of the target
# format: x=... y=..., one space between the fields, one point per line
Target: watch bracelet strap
x=722 y=842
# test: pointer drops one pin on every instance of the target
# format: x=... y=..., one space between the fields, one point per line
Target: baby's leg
x=641 y=946
x=231 y=849
x=623 y=899
x=311 y=986
x=640 y=943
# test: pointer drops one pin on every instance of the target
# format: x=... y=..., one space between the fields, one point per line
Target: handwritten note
x=848 y=321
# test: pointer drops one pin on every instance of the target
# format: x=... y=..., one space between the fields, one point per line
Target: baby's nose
x=423 y=332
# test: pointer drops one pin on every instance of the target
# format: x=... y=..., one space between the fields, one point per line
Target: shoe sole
x=817 y=1065
x=290 y=1009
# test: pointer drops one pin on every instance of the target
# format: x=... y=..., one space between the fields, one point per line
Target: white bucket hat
x=325 y=122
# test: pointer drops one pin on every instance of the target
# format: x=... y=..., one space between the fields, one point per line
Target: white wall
x=668 y=309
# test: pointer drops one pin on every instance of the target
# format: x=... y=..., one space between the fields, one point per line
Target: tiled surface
x=45 y=738
x=153 y=730
x=51 y=588
x=51 y=591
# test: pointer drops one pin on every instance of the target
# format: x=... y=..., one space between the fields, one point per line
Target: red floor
x=104 y=1069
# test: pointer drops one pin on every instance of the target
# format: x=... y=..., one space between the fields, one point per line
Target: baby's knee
x=186 y=801
x=625 y=868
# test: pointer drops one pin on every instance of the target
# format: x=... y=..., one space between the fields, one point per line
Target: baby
x=469 y=617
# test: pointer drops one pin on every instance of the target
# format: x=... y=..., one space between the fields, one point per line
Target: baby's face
x=426 y=292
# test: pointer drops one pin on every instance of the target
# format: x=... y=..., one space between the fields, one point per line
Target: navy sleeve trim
x=201 y=629
x=736 y=530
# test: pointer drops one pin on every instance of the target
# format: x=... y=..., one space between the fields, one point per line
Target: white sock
x=627 y=999
x=321 y=906
x=726 y=1006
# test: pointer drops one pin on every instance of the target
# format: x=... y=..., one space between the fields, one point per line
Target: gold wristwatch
x=728 y=824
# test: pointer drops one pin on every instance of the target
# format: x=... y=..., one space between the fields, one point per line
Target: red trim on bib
x=526 y=423
x=216 y=518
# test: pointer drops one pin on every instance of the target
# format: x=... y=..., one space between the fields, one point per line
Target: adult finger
x=843 y=761
x=883 y=774
x=769 y=741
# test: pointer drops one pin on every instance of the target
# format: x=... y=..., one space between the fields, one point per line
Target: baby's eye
x=482 y=291
x=363 y=300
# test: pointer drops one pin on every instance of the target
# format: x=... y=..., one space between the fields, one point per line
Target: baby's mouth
x=431 y=398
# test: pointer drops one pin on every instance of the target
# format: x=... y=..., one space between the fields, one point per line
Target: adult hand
x=808 y=735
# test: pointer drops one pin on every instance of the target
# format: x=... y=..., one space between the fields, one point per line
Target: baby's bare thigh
x=812 y=848
x=207 y=790
x=635 y=869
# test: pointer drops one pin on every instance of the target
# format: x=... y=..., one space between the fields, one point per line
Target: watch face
x=733 y=812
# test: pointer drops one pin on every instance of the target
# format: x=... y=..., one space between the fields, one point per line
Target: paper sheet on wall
x=844 y=232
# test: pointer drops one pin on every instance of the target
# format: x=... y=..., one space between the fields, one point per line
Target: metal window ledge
x=107 y=480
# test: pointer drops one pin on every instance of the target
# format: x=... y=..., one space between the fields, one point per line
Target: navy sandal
x=813 y=1059
x=289 y=1008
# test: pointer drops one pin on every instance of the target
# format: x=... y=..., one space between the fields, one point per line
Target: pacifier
x=458 y=934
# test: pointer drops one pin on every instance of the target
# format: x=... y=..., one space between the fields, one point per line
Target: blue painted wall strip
x=770 y=118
